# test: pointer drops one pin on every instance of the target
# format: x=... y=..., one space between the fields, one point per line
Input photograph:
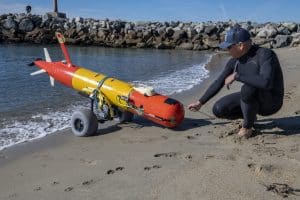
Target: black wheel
x=124 y=116
x=84 y=123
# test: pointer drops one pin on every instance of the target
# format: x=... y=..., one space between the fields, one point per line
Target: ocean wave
x=178 y=81
x=37 y=126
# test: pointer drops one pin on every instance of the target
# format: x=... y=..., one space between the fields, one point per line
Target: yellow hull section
x=114 y=90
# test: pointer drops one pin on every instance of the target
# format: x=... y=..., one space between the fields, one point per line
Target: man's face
x=237 y=50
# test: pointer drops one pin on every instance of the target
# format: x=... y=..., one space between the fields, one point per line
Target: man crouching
x=260 y=72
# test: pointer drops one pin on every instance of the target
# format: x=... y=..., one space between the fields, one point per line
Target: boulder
x=71 y=33
x=179 y=34
x=131 y=34
x=36 y=20
x=10 y=23
x=174 y=24
x=128 y=26
x=8 y=34
x=160 y=46
x=247 y=26
x=291 y=26
x=261 y=41
x=18 y=17
x=132 y=42
x=161 y=31
x=282 y=41
x=146 y=35
x=169 y=44
x=141 y=45
x=180 y=25
x=46 y=17
x=26 y=25
x=185 y=46
x=119 y=43
x=169 y=31
x=210 y=29
x=117 y=26
x=296 y=40
x=282 y=30
x=103 y=32
x=199 y=47
x=199 y=28
x=4 y=16
x=211 y=41
x=191 y=33
x=102 y=24
x=267 y=32
x=78 y=19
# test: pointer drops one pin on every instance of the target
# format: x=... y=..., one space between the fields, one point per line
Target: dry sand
x=203 y=159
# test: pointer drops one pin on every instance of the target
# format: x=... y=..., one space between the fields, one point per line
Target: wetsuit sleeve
x=263 y=80
x=216 y=86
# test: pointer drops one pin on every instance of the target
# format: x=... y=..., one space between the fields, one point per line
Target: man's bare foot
x=245 y=132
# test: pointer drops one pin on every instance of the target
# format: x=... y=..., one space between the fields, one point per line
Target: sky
x=166 y=10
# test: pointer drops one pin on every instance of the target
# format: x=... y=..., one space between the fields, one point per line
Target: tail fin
x=47 y=56
x=48 y=59
x=61 y=40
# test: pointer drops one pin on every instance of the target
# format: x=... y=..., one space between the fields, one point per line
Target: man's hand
x=195 y=106
x=230 y=79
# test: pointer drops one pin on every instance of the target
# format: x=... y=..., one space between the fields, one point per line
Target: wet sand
x=202 y=159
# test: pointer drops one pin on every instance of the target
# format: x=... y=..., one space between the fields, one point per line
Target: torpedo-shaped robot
x=111 y=97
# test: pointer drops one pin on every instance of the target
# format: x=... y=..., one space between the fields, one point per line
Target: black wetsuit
x=262 y=92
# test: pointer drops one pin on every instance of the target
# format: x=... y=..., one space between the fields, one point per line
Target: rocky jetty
x=17 y=28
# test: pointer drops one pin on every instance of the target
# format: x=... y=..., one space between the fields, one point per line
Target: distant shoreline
x=37 y=29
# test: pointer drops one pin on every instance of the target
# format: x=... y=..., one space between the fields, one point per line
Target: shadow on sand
x=288 y=125
x=140 y=122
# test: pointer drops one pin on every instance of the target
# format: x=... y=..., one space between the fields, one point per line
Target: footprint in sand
x=13 y=195
x=89 y=182
x=68 y=189
x=38 y=188
x=111 y=171
x=153 y=167
x=283 y=190
x=272 y=151
x=174 y=155
x=119 y=168
x=295 y=148
x=166 y=155
x=164 y=137
x=190 y=137
x=208 y=157
x=89 y=162
x=55 y=183
x=265 y=169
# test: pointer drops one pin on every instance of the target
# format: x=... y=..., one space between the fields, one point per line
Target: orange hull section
x=158 y=108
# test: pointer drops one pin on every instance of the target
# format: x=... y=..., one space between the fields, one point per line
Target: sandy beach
x=202 y=159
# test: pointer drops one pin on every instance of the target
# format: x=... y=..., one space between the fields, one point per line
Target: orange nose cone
x=159 y=108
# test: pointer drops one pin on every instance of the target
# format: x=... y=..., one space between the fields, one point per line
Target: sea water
x=30 y=108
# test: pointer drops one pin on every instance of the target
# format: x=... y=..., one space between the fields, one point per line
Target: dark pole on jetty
x=55 y=6
x=55 y=12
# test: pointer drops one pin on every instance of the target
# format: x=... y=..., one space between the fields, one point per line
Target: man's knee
x=248 y=93
x=218 y=110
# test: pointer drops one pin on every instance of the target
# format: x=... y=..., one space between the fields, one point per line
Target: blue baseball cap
x=234 y=36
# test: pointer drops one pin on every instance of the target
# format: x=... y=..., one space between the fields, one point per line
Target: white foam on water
x=35 y=127
x=180 y=80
